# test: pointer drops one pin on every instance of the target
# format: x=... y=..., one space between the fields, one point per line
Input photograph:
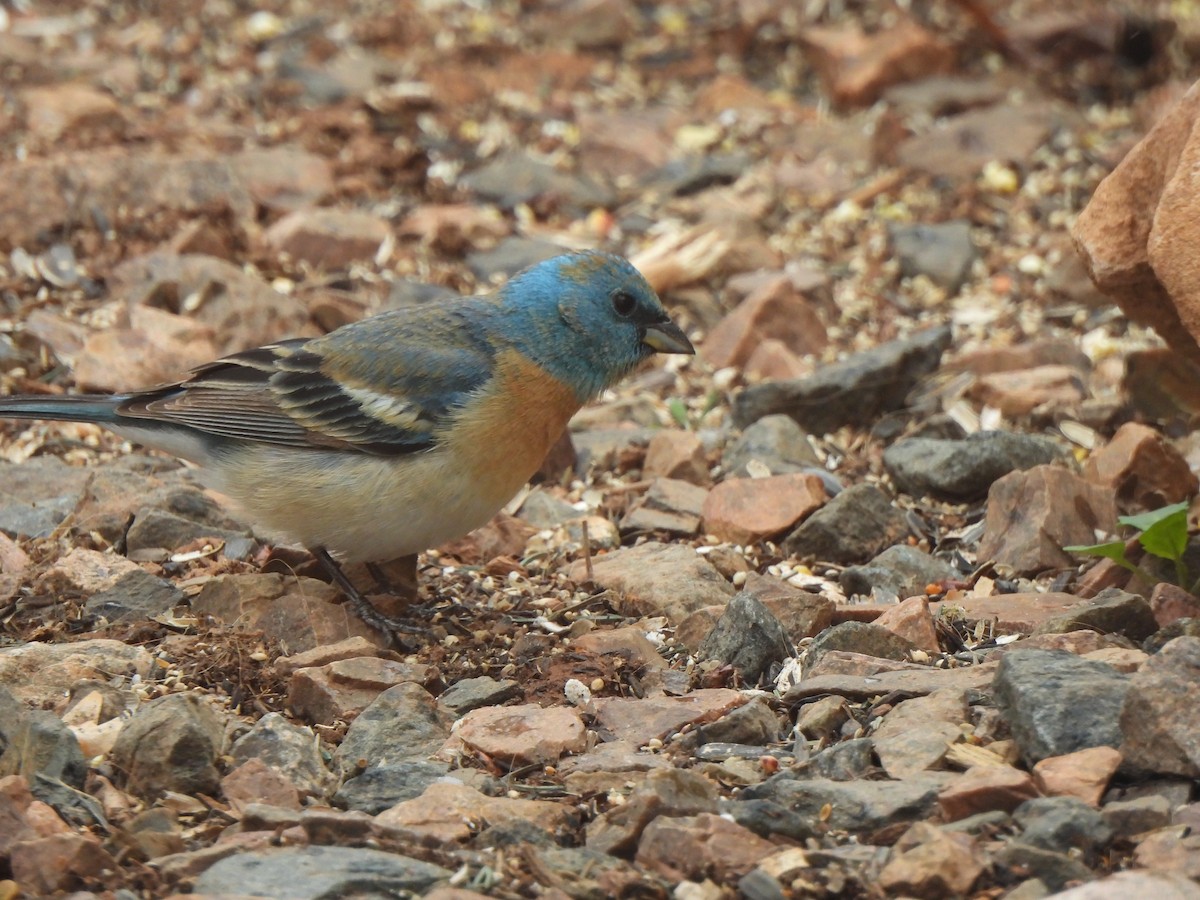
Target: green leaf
x=1168 y=536
x=679 y=412
x=1114 y=550
x=1144 y=521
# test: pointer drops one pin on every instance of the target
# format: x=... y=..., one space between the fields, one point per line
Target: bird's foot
x=394 y=628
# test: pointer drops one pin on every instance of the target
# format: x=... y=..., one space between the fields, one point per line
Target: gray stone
x=137 y=595
x=1055 y=870
x=776 y=442
x=753 y=723
x=318 y=873
x=542 y=509
x=899 y=571
x=853 y=391
x=401 y=725
x=854 y=806
x=669 y=505
x=155 y=528
x=845 y=761
x=942 y=252
x=509 y=256
x=1112 y=611
x=748 y=638
x=964 y=470
x=472 y=693
x=693 y=174
x=1138 y=815
x=382 y=787
x=516 y=178
x=851 y=528
x=1063 y=824
x=36 y=742
x=291 y=749
x=1056 y=702
x=767 y=818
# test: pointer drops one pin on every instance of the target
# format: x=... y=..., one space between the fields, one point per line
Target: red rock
x=75 y=109
x=1032 y=515
x=641 y=720
x=513 y=736
x=15 y=800
x=504 y=535
x=150 y=347
x=986 y=788
x=284 y=178
x=1019 y=393
x=1137 y=232
x=448 y=813
x=776 y=310
x=256 y=782
x=350 y=648
x=699 y=847
x=912 y=620
x=856 y=68
x=45 y=865
x=930 y=862
x=773 y=360
x=668 y=505
x=453 y=226
x=1084 y=774
x=1143 y=467
x=802 y=614
x=746 y=510
x=630 y=143
x=916 y=734
x=1171 y=602
x=329 y=238
x=1170 y=849
x=1048 y=352
x=678 y=454
x=343 y=688
x=959 y=147
x=629 y=643
x=660 y=792
x=1012 y=613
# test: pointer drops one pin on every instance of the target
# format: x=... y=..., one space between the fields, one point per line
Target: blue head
x=588 y=319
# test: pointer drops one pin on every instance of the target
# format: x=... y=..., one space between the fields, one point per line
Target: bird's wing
x=383 y=386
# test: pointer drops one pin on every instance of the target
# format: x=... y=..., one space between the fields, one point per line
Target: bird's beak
x=667 y=337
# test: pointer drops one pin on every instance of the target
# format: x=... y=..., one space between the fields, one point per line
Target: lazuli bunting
x=399 y=432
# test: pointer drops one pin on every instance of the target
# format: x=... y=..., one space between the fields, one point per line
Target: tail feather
x=65 y=408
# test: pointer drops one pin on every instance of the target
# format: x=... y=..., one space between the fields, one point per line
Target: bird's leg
x=362 y=606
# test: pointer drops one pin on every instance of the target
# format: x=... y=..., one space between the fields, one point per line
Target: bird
x=395 y=433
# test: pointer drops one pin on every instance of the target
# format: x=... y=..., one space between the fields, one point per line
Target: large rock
x=1138 y=233
x=1160 y=720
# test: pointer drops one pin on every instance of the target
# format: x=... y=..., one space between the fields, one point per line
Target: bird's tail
x=65 y=408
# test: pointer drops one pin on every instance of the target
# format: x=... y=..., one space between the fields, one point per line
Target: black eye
x=623 y=304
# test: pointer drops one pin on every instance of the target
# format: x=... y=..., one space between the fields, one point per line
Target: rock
x=855 y=806
x=748 y=638
x=467 y=694
x=852 y=527
x=327 y=238
x=701 y=846
x=1084 y=774
x=287 y=748
x=801 y=614
x=668 y=505
x=521 y=735
x=677 y=454
x=912 y=621
x=641 y=720
x=78 y=110
x=1170 y=603
x=984 y=788
x=341 y=689
x=256 y=782
x=171 y=744
x=137 y=595
x=449 y=812
x=401 y=725
x=1063 y=824
x=690 y=175
x=822 y=718
x=853 y=391
x=1134 y=232
x=748 y=510
x=1054 y=870
x=1056 y=703
x=1032 y=515
x=242 y=310
x=916 y=734
x=509 y=256
x=930 y=862
x=453 y=227
x=775 y=443
x=42 y=674
x=775 y=310
x=907 y=678
x=657 y=579
x=1138 y=816
x=866 y=638
x=856 y=68
x=36 y=743
x=662 y=792
x=146 y=347
x=58 y=863
x=283 y=177
x=964 y=470
x=1160 y=885
x=942 y=252
x=1019 y=613
x=958 y=148
x=898 y=572
x=350 y=648
x=1112 y=611
x=1170 y=849
x=1037 y=390
x=1160 y=718
x=1144 y=468
x=517 y=178
x=852 y=760
x=310 y=873
x=381 y=787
